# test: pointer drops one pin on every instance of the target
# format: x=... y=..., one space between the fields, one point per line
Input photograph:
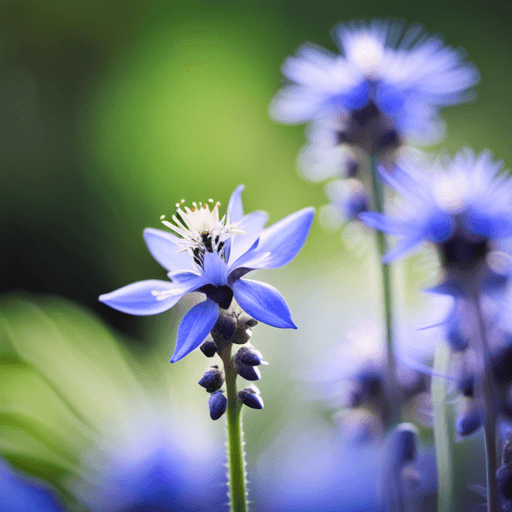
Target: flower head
x=462 y=208
x=211 y=255
x=384 y=87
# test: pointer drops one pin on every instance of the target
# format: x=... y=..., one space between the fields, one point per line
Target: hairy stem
x=489 y=409
x=236 y=462
x=382 y=246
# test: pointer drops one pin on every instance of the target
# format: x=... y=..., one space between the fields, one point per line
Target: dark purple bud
x=504 y=479
x=456 y=337
x=352 y=167
x=209 y=348
x=248 y=372
x=224 y=328
x=466 y=385
x=468 y=423
x=212 y=380
x=248 y=355
x=217 y=403
x=251 y=399
x=405 y=439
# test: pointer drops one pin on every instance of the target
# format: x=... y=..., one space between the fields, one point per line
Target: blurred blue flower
x=148 y=463
x=18 y=494
x=355 y=378
x=385 y=87
x=211 y=256
x=462 y=209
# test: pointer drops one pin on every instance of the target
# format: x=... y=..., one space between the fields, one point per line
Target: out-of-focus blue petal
x=263 y=302
x=353 y=99
x=440 y=227
x=452 y=287
x=164 y=248
x=138 y=298
x=391 y=225
x=487 y=225
x=279 y=243
x=21 y=495
x=235 y=210
x=390 y=99
x=215 y=270
x=194 y=328
x=253 y=225
x=406 y=245
x=402 y=182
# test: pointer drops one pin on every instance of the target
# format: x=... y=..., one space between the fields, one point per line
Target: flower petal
x=253 y=225
x=263 y=302
x=194 y=328
x=406 y=245
x=235 y=210
x=215 y=270
x=164 y=248
x=279 y=243
x=391 y=225
x=138 y=298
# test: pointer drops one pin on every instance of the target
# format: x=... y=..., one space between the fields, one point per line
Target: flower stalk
x=382 y=247
x=236 y=459
x=489 y=412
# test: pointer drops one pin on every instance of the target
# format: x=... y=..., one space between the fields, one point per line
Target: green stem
x=443 y=433
x=237 y=492
x=382 y=247
x=489 y=412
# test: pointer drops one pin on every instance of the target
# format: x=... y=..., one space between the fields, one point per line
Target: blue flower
x=461 y=209
x=385 y=87
x=211 y=256
x=149 y=463
x=19 y=494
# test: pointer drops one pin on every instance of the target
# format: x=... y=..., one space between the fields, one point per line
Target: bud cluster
x=232 y=328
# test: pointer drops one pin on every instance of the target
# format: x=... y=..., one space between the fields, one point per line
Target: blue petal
x=253 y=225
x=138 y=298
x=279 y=243
x=452 y=288
x=402 y=182
x=353 y=99
x=194 y=328
x=406 y=245
x=390 y=99
x=487 y=225
x=235 y=210
x=263 y=302
x=215 y=270
x=439 y=227
x=391 y=225
x=164 y=248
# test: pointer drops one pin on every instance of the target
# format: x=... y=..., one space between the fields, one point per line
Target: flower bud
x=245 y=321
x=213 y=379
x=242 y=336
x=468 y=422
x=208 y=348
x=248 y=372
x=251 y=399
x=504 y=480
x=405 y=439
x=249 y=355
x=456 y=337
x=218 y=404
x=224 y=327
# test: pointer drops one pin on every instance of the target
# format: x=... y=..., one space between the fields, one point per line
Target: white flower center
x=367 y=53
x=450 y=193
x=201 y=229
